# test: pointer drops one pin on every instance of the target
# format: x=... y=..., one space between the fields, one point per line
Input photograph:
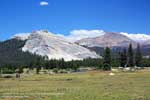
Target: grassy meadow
x=92 y=85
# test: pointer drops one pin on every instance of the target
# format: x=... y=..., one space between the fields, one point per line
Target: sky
x=68 y=16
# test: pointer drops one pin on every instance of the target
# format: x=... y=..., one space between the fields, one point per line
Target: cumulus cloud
x=80 y=34
x=43 y=3
x=137 y=37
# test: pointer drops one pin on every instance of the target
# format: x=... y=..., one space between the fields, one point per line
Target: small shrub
x=100 y=66
x=44 y=72
x=8 y=76
x=19 y=70
x=69 y=79
x=37 y=70
x=55 y=70
x=62 y=71
x=106 y=67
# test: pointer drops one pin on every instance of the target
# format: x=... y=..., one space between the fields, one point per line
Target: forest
x=13 y=58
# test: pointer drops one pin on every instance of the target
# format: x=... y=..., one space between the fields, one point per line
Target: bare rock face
x=107 y=40
x=146 y=42
x=21 y=36
x=47 y=44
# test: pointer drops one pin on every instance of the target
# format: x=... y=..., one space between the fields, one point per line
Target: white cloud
x=137 y=37
x=43 y=3
x=80 y=34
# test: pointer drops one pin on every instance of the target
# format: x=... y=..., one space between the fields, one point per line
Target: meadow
x=92 y=85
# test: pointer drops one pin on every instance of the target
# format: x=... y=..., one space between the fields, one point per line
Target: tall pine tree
x=107 y=59
x=138 y=56
x=130 y=61
x=123 y=58
x=107 y=56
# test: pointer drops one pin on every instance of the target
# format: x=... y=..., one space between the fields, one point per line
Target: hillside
x=11 y=53
x=109 y=39
x=115 y=41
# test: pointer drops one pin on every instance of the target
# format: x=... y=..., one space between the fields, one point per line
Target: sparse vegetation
x=95 y=85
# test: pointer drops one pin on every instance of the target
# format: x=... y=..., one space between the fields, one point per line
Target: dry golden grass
x=94 y=85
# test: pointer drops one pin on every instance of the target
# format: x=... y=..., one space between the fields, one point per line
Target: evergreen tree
x=123 y=58
x=107 y=59
x=62 y=63
x=130 y=61
x=138 y=56
x=74 y=65
x=107 y=56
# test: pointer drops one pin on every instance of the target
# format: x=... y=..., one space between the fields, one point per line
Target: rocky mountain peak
x=109 y=39
x=47 y=44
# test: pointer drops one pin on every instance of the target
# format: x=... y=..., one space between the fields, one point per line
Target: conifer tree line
x=14 y=58
x=129 y=58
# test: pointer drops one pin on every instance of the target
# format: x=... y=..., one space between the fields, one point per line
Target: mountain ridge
x=109 y=39
x=46 y=44
x=116 y=41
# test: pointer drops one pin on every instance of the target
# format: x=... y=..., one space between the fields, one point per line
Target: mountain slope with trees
x=11 y=53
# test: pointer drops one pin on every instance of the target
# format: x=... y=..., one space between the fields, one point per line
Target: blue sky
x=62 y=16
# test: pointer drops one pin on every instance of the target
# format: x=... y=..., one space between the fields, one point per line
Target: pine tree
x=138 y=56
x=107 y=56
x=123 y=58
x=62 y=63
x=130 y=61
x=107 y=59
